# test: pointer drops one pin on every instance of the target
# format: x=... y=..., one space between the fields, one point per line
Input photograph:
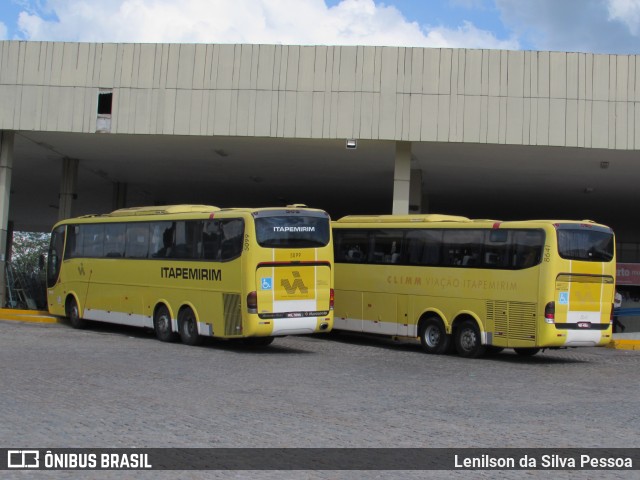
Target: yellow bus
x=475 y=286
x=193 y=271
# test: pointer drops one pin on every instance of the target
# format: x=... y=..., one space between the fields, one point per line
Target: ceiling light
x=352 y=144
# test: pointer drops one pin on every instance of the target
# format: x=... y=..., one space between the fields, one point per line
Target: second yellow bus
x=475 y=286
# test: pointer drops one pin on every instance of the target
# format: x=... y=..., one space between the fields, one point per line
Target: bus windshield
x=591 y=245
x=284 y=231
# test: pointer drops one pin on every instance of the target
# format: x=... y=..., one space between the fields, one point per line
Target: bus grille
x=232 y=314
x=516 y=320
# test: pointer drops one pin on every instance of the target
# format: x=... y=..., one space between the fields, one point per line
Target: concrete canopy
x=480 y=181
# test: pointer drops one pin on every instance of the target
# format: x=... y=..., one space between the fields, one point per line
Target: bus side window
x=496 y=249
x=464 y=247
x=352 y=246
x=188 y=235
x=423 y=247
x=527 y=248
x=162 y=239
x=114 y=240
x=137 y=241
x=93 y=240
x=387 y=246
x=232 y=235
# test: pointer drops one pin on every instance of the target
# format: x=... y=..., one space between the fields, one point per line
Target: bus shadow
x=547 y=357
x=372 y=340
x=231 y=345
x=507 y=356
x=237 y=346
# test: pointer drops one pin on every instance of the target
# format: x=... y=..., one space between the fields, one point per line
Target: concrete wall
x=410 y=94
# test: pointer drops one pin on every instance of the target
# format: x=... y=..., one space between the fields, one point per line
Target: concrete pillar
x=6 y=165
x=402 y=178
x=68 y=187
x=119 y=195
x=415 y=192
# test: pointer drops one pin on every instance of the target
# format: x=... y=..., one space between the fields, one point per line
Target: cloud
x=627 y=12
x=600 y=26
x=3 y=31
x=306 y=22
x=467 y=35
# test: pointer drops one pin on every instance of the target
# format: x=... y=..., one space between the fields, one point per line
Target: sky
x=597 y=26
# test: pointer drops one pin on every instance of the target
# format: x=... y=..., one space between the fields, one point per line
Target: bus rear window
x=299 y=231
x=591 y=245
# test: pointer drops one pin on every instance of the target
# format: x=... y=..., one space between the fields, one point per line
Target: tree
x=27 y=264
x=27 y=251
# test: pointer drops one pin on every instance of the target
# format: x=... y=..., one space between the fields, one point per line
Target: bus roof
x=162 y=210
x=429 y=217
x=175 y=211
x=453 y=219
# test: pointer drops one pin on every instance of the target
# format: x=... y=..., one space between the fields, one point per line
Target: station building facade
x=83 y=126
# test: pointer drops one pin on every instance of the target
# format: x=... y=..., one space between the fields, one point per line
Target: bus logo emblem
x=298 y=283
x=266 y=283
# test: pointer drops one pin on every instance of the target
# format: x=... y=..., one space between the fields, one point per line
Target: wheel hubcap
x=432 y=336
x=468 y=339
x=189 y=326
x=163 y=323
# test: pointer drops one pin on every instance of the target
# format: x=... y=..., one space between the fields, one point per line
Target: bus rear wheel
x=433 y=336
x=162 y=325
x=526 y=352
x=468 y=342
x=73 y=314
x=188 y=327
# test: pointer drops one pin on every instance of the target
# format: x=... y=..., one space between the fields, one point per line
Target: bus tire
x=73 y=314
x=162 y=325
x=188 y=327
x=433 y=336
x=468 y=342
x=526 y=352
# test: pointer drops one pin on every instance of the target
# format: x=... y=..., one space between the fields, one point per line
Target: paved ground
x=115 y=387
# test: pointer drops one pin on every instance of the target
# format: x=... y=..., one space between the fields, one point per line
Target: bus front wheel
x=188 y=327
x=468 y=342
x=433 y=336
x=73 y=314
x=162 y=325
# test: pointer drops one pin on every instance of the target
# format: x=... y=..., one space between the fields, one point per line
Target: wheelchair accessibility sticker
x=563 y=298
x=266 y=283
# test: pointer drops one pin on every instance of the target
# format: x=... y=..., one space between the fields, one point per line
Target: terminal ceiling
x=474 y=180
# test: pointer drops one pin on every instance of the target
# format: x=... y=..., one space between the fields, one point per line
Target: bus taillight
x=252 y=302
x=331 y=299
x=550 y=312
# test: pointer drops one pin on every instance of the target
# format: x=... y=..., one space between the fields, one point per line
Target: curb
x=33 y=316
x=624 y=344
